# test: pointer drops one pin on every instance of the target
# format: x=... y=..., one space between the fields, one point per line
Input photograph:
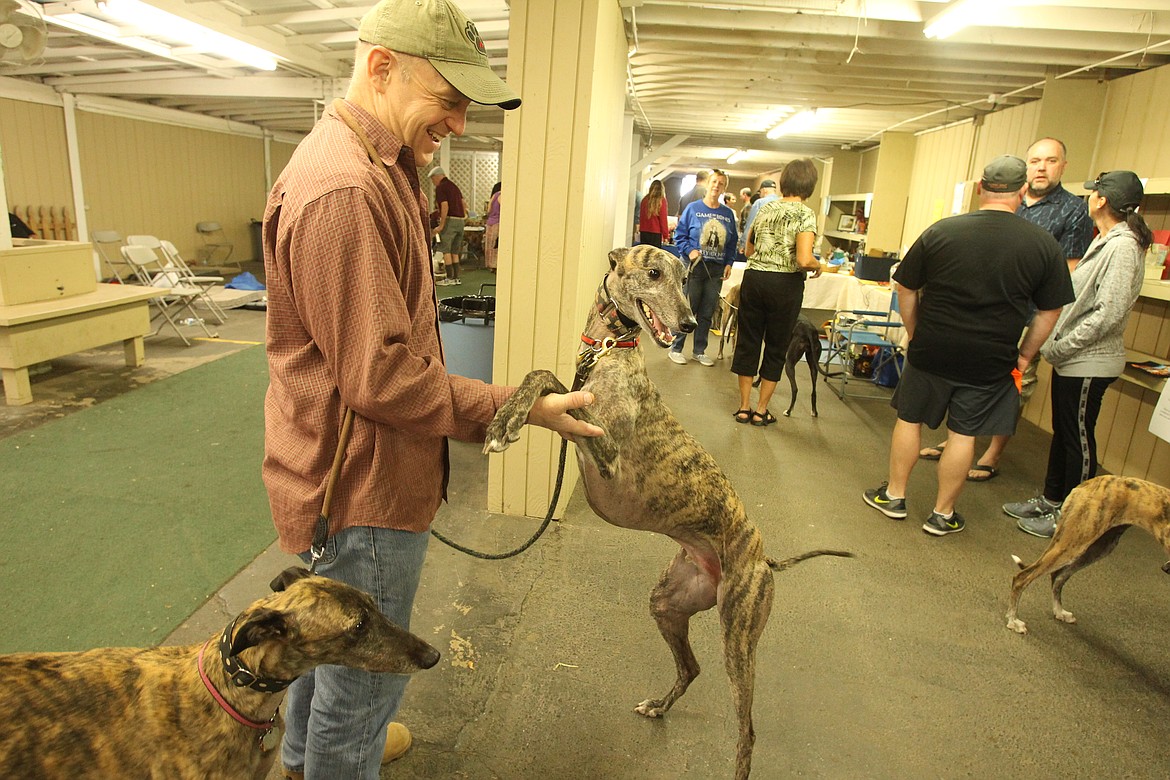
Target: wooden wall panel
x=279 y=154
x=1010 y=131
x=1135 y=134
x=940 y=162
x=36 y=159
x=146 y=177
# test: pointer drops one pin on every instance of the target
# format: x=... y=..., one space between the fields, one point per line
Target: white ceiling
x=706 y=77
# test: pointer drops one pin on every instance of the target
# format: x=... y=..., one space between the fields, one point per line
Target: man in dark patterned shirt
x=1049 y=205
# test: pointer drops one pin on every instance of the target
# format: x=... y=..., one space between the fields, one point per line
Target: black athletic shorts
x=970 y=410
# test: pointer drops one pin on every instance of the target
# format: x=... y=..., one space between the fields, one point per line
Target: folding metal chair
x=857 y=332
x=175 y=296
x=216 y=248
x=108 y=244
x=173 y=261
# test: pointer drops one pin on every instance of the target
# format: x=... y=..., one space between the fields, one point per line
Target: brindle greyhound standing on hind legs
x=648 y=474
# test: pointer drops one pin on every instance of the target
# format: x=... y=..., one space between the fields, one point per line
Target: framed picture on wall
x=847 y=224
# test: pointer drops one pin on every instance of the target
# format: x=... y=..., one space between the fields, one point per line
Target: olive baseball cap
x=1006 y=173
x=1123 y=189
x=440 y=32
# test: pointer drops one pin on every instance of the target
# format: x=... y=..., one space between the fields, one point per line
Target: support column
x=562 y=175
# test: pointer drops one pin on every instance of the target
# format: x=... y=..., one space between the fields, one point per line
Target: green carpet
x=121 y=520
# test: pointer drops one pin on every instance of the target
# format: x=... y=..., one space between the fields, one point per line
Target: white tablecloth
x=834 y=292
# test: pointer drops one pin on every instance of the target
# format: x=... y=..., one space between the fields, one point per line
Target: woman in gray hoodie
x=1085 y=348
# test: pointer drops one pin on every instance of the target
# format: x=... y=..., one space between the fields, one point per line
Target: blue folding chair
x=853 y=334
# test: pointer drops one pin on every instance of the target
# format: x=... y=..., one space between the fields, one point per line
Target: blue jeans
x=703 y=286
x=336 y=718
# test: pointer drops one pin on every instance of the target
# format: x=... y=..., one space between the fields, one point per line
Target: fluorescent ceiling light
x=159 y=23
x=736 y=156
x=960 y=14
x=796 y=123
x=131 y=22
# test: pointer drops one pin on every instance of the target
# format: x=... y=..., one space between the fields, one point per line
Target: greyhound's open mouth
x=661 y=333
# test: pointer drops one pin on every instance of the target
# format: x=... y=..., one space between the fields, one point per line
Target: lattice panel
x=474 y=173
x=461 y=170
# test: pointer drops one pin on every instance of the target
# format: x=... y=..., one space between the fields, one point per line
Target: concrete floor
x=895 y=664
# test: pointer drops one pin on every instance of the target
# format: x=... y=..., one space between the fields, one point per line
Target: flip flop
x=746 y=416
x=767 y=418
x=932 y=453
x=991 y=471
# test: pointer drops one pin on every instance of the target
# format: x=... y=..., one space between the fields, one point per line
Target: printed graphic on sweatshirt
x=713 y=240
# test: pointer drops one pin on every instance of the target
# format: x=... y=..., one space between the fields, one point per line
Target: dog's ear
x=288 y=577
x=261 y=625
x=617 y=255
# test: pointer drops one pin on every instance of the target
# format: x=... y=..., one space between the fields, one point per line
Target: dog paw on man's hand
x=552 y=411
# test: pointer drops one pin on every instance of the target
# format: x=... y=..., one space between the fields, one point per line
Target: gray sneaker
x=1043 y=526
x=1032 y=509
x=937 y=525
x=881 y=501
x=703 y=360
x=676 y=357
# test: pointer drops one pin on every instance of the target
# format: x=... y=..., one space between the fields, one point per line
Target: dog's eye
x=359 y=627
x=655 y=274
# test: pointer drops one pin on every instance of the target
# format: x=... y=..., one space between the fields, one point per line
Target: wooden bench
x=32 y=333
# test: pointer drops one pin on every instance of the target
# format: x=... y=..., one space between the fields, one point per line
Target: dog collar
x=265 y=741
x=587 y=358
x=239 y=673
x=608 y=311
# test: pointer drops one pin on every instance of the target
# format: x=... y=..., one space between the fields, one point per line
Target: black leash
x=552 y=505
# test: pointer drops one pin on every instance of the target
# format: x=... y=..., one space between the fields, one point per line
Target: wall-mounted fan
x=22 y=37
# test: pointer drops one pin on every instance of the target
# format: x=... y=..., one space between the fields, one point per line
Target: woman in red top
x=652 y=215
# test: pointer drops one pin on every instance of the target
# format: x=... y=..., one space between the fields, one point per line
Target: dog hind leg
x=1095 y=552
x=790 y=369
x=684 y=590
x=1055 y=557
x=743 y=612
x=812 y=356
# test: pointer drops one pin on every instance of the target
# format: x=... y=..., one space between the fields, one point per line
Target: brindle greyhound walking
x=1094 y=517
x=647 y=473
x=197 y=712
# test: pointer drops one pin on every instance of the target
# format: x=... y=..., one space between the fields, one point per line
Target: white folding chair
x=108 y=244
x=216 y=248
x=175 y=296
x=173 y=261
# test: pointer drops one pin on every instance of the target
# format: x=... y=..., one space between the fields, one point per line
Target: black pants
x=653 y=239
x=769 y=303
x=1072 y=457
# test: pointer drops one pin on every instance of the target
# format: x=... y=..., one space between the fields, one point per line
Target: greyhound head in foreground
x=647 y=294
x=202 y=711
x=648 y=473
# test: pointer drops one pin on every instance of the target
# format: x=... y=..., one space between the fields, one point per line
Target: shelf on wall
x=846 y=236
x=1138 y=377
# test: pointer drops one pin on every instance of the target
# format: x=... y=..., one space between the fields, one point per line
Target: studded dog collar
x=238 y=671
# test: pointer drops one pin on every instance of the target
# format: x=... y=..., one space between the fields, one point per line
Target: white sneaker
x=704 y=360
x=677 y=357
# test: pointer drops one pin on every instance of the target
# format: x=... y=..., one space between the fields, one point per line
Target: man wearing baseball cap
x=767 y=195
x=984 y=271
x=352 y=327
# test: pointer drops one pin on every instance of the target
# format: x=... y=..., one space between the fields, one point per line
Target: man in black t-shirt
x=966 y=289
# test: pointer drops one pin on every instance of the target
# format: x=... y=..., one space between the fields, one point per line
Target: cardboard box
x=35 y=270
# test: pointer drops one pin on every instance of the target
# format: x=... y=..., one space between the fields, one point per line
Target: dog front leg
x=510 y=419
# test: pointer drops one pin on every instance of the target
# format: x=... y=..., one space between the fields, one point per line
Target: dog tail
x=776 y=565
x=1019 y=563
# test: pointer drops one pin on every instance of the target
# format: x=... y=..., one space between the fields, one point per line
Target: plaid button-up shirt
x=352 y=323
